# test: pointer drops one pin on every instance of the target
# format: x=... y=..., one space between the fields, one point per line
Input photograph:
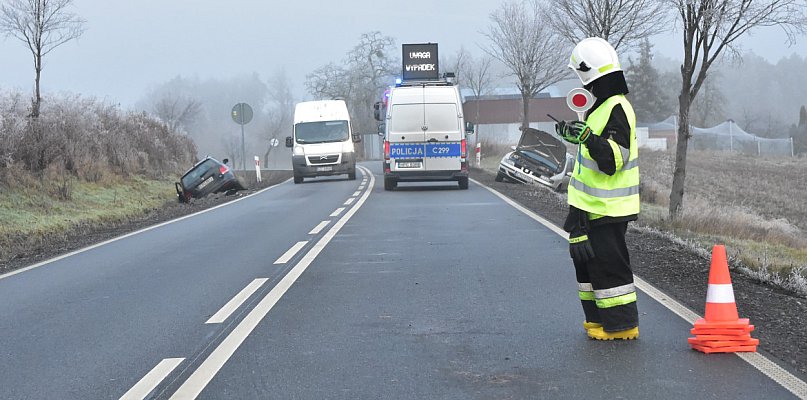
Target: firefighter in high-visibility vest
x=603 y=194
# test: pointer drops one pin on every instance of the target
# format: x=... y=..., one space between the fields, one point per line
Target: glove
x=580 y=248
x=575 y=132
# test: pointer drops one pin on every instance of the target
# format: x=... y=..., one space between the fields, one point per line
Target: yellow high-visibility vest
x=598 y=193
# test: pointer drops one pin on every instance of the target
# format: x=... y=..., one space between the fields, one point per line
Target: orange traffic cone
x=721 y=330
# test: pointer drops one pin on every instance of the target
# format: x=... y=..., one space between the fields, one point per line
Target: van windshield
x=321 y=131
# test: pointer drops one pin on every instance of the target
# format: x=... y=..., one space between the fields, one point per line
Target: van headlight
x=347 y=147
x=299 y=151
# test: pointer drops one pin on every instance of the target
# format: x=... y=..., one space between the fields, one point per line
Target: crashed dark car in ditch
x=206 y=177
x=539 y=158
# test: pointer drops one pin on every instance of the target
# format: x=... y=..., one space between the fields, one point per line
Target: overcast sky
x=130 y=46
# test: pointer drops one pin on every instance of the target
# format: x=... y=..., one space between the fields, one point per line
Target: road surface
x=338 y=289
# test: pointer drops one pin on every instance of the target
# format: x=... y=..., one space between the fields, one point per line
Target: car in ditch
x=206 y=177
x=539 y=158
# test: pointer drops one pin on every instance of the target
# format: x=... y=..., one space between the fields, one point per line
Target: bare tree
x=535 y=54
x=478 y=77
x=178 y=112
x=280 y=110
x=457 y=63
x=42 y=25
x=710 y=28
x=623 y=23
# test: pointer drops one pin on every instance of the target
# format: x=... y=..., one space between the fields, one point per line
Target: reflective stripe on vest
x=592 y=190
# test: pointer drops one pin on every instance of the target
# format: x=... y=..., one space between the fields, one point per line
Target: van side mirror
x=469 y=127
x=377 y=111
x=289 y=142
x=356 y=138
x=381 y=128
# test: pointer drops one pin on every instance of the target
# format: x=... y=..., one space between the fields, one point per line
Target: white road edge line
x=219 y=356
x=106 y=242
x=291 y=252
x=350 y=201
x=143 y=387
x=236 y=301
x=337 y=212
x=317 y=229
x=758 y=361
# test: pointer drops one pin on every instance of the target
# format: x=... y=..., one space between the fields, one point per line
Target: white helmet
x=592 y=58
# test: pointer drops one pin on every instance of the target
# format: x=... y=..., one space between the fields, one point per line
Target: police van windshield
x=321 y=131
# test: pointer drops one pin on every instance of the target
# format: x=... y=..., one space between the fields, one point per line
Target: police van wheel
x=463 y=183
x=499 y=177
x=390 y=184
x=351 y=175
x=298 y=179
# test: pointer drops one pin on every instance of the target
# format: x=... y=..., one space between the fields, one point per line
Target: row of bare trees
x=533 y=38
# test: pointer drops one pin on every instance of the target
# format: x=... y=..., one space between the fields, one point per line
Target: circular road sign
x=579 y=100
x=242 y=113
x=274 y=142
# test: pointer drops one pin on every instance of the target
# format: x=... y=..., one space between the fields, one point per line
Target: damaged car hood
x=543 y=144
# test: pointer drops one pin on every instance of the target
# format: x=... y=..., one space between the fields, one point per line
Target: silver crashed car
x=539 y=158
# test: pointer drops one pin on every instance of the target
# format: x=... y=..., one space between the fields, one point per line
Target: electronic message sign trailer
x=420 y=62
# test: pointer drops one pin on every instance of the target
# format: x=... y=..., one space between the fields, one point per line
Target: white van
x=424 y=133
x=323 y=140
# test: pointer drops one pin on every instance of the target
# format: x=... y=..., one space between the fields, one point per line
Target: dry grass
x=753 y=205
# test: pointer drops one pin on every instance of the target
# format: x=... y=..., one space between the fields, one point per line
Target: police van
x=322 y=144
x=422 y=124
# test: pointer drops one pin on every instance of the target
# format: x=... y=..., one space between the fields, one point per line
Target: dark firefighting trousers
x=605 y=283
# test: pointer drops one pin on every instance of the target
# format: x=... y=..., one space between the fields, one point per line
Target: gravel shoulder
x=682 y=272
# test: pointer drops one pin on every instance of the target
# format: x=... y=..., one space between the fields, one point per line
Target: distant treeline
x=83 y=138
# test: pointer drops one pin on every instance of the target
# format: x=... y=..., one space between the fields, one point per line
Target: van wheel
x=351 y=175
x=499 y=177
x=390 y=184
x=298 y=179
x=463 y=183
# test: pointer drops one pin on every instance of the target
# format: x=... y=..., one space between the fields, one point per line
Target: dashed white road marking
x=291 y=252
x=236 y=302
x=337 y=212
x=219 y=356
x=317 y=229
x=350 y=201
x=778 y=374
x=357 y=193
x=142 y=388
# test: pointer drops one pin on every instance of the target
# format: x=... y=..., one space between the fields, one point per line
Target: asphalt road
x=424 y=292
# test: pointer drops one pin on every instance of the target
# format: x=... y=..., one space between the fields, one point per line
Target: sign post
x=242 y=114
x=258 y=168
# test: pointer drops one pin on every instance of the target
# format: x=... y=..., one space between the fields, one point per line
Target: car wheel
x=298 y=179
x=463 y=183
x=499 y=177
x=390 y=184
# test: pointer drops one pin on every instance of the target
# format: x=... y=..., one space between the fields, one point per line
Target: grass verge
x=29 y=214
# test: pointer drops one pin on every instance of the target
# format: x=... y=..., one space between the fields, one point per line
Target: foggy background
x=219 y=53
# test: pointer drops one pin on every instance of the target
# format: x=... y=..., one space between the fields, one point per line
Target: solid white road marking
x=337 y=212
x=291 y=252
x=778 y=374
x=317 y=229
x=350 y=201
x=211 y=366
x=358 y=192
x=142 y=388
x=88 y=248
x=236 y=301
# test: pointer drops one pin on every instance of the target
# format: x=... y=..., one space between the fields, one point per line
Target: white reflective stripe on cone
x=720 y=293
x=585 y=287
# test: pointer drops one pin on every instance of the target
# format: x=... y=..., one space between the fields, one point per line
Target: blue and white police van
x=422 y=124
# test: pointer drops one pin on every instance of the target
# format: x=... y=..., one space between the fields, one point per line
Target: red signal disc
x=579 y=100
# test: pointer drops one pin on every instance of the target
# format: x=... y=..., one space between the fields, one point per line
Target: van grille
x=330 y=159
